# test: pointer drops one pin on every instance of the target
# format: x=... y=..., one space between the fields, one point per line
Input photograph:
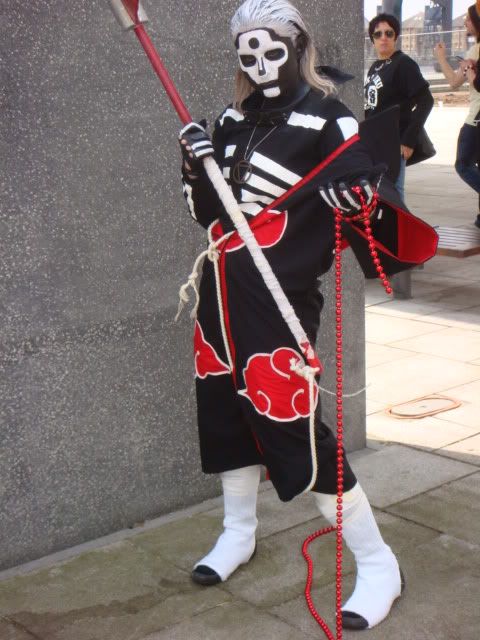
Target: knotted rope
x=213 y=255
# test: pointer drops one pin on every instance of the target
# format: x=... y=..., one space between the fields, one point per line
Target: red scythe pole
x=130 y=15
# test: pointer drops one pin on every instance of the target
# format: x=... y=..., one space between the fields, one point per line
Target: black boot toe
x=205 y=576
x=356 y=622
x=353 y=621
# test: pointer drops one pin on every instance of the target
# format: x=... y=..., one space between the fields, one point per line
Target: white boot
x=379 y=580
x=236 y=545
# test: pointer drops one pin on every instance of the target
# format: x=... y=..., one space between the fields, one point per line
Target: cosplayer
x=252 y=411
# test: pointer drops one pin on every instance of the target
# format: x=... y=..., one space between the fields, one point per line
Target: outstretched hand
x=440 y=51
x=350 y=198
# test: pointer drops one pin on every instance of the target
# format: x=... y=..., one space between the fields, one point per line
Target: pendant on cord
x=242 y=171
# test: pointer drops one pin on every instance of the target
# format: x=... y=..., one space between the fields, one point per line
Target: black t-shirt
x=396 y=81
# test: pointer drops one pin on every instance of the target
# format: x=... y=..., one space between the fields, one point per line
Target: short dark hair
x=384 y=17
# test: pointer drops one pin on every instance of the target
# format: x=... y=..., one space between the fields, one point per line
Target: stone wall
x=97 y=398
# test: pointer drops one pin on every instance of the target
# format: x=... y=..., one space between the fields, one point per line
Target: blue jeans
x=466 y=161
x=400 y=183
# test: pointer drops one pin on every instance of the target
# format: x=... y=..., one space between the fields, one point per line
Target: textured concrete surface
x=136 y=586
x=413 y=472
x=139 y=588
x=461 y=495
x=97 y=413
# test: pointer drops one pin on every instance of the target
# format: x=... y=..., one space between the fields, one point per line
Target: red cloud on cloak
x=207 y=361
x=274 y=389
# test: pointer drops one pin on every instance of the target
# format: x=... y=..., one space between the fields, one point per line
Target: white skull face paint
x=268 y=60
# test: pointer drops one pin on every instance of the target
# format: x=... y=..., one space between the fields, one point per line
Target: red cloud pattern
x=268 y=228
x=274 y=389
x=207 y=361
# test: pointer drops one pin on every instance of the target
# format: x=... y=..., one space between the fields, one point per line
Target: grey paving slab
x=398 y=533
x=396 y=473
x=278 y=571
x=447 y=278
x=380 y=330
x=379 y=354
x=236 y=621
x=181 y=542
x=171 y=542
x=467 y=415
x=427 y=433
x=139 y=619
x=465 y=318
x=10 y=631
x=100 y=577
x=440 y=601
x=116 y=593
x=453 y=508
x=467 y=450
x=462 y=269
x=454 y=343
x=374 y=407
x=412 y=308
x=455 y=297
x=422 y=289
x=410 y=378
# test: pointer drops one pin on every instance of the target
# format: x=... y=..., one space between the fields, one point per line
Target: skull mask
x=269 y=61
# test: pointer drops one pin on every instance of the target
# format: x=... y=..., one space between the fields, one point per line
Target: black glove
x=195 y=144
x=340 y=195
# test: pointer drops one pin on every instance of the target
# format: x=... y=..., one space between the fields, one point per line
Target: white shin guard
x=378 y=582
x=236 y=544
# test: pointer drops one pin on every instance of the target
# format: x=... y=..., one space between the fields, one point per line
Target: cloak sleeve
x=401 y=239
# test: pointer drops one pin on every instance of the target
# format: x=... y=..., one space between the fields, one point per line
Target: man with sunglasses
x=395 y=79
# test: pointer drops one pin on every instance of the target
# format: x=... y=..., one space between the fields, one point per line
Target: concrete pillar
x=97 y=395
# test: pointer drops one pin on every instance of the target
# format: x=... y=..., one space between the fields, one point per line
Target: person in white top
x=467 y=149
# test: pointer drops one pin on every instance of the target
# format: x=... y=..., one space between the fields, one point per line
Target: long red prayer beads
x=364 y=217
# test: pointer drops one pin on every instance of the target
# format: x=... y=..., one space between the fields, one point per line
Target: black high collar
x=263 y=111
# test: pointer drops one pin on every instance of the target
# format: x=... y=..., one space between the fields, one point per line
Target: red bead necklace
x=364 y=217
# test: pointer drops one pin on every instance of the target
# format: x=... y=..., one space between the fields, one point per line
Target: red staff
x=131 y=15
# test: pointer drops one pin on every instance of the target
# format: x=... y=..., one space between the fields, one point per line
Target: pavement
x=422 y=477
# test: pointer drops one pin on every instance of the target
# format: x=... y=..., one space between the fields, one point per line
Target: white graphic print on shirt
x=373 y=84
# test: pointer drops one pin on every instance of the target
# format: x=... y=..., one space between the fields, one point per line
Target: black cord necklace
x=243 y=169
x=382 y=64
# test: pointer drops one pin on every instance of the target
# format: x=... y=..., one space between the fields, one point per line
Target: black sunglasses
x=390 y=33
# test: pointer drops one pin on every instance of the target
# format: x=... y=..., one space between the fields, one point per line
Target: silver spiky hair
x=280 y=14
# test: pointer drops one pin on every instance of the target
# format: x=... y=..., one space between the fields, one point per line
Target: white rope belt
x=213 y=255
